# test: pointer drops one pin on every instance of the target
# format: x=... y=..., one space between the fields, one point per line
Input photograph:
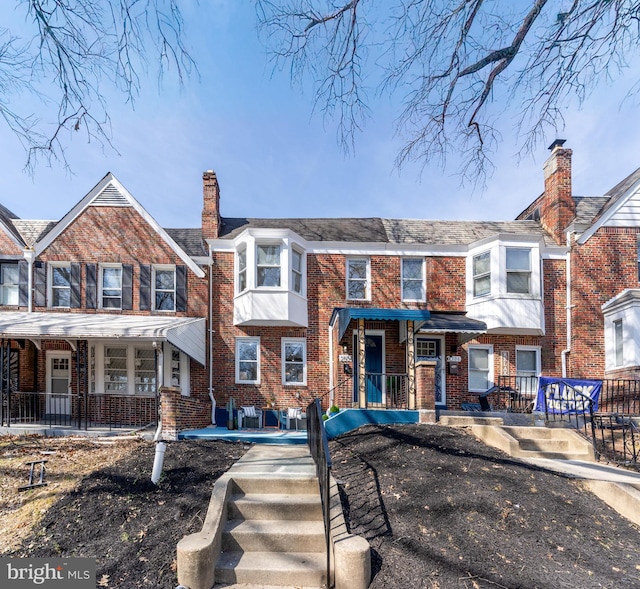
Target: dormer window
x=268 y=265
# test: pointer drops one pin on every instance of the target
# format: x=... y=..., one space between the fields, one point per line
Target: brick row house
x=361 y=312
x=100 y=310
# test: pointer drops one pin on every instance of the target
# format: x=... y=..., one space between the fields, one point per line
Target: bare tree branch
x=457 y=64
x=74 y=50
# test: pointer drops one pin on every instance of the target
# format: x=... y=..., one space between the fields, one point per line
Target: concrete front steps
x=536 y=442
x=274 y=534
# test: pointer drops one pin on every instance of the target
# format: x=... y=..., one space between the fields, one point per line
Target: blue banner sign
x=567 y=395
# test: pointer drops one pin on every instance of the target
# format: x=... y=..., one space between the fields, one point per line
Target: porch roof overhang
x=452 y=323
x=185 y=333
x=346 y=314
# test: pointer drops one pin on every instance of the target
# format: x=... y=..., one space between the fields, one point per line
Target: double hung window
x=296 y=271
x=413 y=288
x=268 y=265
x=165 y=289
x=618 y=343
x=480 y=368
x=61 y=285
x=527 y=369
x=111 y=284
x=518 y=270
x=242 y=269
x=358 y=279
x=482 y=274
x=115 y=370
x=294 y=361
x=248 y=360
x=9 y=284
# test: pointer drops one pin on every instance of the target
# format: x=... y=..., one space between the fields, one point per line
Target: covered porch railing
x=79 y=411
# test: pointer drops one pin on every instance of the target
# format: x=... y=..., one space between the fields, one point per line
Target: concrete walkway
x=580 y=469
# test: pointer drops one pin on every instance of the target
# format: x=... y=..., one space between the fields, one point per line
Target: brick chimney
x=211 y=209
x=557 y=208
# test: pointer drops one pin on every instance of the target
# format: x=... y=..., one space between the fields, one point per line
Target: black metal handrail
x=319 y=448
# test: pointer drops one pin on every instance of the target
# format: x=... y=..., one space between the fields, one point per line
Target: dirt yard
x=440 y=510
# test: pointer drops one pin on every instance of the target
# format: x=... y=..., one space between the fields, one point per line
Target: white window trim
x=368 y=277
x=50 y=287
x=237 y=360
x=281 y=265
x=163 y=267
x=519 y=270
x=537 y=350
x=614 y=340
x=474 y=276
x=11 y=285
x=185 y=377
x=303 y=272
x=528 y=379
x=98 y=367
x=422 y=279
x=101 y=267
x=490 y=374
x=242 y=248
x=297 y=340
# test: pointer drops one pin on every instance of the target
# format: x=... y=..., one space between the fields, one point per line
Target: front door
x=430 y=349
x=58 y=380
x=373 y=367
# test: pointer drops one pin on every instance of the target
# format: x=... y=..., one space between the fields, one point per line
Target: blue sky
x=275 y=158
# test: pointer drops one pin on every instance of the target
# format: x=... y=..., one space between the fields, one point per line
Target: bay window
x=268 y=265
x=518 y=270
x=482 y=274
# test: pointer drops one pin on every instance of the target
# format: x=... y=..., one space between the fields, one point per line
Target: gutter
x=30 y=255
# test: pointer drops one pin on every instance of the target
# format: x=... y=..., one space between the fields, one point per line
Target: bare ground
x=440 y=510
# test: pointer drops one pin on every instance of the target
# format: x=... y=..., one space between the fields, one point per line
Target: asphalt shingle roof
x=190 y=240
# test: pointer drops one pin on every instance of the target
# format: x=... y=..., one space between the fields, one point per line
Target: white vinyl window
x=248 y=360
x=268 y=265
x=527 y=369
x=176 y=369
x=294 y=361
x=296 y=271
x=480 y=368
x=242 y=269
x=518 y=270
x=482 y=274
x=164 y=288
x=413 y=283
x=111 y=287
x=145 y=370
x=61 y=285
x=618 y=343
x=9 y=284
x=358 y=273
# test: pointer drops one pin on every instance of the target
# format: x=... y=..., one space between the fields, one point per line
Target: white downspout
x=30 y=255
x=567 y=350
x=160 y=445
x=331 y=363
x=211 y=395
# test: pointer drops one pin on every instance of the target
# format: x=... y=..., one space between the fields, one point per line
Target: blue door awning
x=345 y=315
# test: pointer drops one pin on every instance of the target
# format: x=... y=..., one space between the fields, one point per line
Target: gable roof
x=7 y=219
x=393 y=231
x=616 y=198
x=110 y=192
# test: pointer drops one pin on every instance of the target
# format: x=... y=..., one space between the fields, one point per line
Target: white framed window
x=358 y=279
x=518 y=270
x=164 y=288
x=111 y=286
x=116 y=373
x=527 y=368
x=176 y=370
x=248 y=360
x=145 y=370
x=618 y=343
x=294 y=361
x=426 y=348
x=268 y=266
x=9 y=283
x=60 y=285
x=413 y=281
x=242 y=269
x=480 y=368
x=296 y=271
x=481 y=265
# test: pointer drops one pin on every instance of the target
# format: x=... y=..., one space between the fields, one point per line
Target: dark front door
x=373 y=365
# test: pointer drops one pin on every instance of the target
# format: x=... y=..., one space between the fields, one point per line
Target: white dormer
x=504 y=284
x=270 y=285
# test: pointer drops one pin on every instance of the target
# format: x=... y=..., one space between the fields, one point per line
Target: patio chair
x=296 y=418
x=249 y=417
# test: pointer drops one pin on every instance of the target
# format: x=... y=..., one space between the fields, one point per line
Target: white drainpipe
x=30 y=255
x=330 y=367
x=211 y=395
x=567 y=350
x=160 y=446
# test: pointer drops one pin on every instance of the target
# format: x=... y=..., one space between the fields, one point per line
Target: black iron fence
x=319 y=448
x=79 y=411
